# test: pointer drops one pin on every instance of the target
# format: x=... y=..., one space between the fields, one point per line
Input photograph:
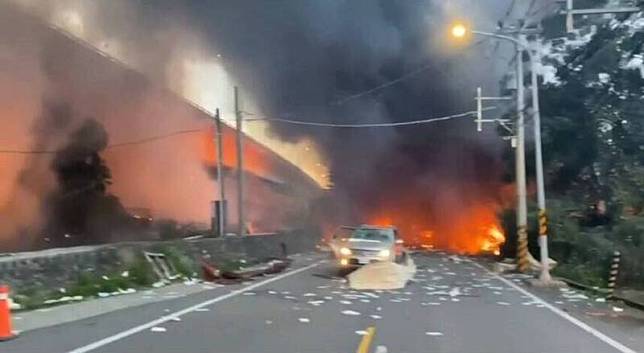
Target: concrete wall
x=61 y=267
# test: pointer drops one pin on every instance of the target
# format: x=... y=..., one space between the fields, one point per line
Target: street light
x=459 y=31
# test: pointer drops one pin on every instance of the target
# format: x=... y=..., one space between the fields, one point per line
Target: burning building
x=85 y=138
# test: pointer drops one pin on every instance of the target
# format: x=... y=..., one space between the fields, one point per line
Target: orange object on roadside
x=5 y=315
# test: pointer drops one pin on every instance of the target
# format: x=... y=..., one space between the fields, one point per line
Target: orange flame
x=476 y=231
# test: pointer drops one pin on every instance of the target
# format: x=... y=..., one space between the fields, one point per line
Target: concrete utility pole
x=220 y=176
x=240 y=166
x=544 y=276
x=522 y=207
x=522 y=250
x=570 y=12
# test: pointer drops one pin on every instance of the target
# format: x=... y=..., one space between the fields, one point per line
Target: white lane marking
x=582 y=325
x=433 y=333
x=123 y=334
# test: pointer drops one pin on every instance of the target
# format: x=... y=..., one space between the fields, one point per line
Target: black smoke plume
x=80 y=210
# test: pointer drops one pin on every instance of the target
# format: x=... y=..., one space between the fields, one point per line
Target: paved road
x=453 y=306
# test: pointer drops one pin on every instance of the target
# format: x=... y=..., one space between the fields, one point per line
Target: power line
x=370 y=125
x=154 y=138
x=384 y=85
x=116 y=145
x=392 y=82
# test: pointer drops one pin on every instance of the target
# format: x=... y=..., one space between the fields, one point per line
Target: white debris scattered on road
x=127 y=291
x=350 y=312
x=316 y=302
x=158 y=329
x=304 y=320
x=600 y=300
x=433 y=333
x=379 y=308
x=175 y=318
x=103 y=294
x=573 y=295
x=328 y=298
x=268 y=322
x=105 y=277
x=430 y=303
x=249 y=293
x=272 y=292
x=361 y=332
x=158 y=284
x=125 y=274
x=14 y=306
x=191 y=281
x=376 y=317
x=381 y=349
x=382 y=275
x=503 y=303
x=309 y=295
x=456 y=291
x=322 y=287
x=290 y=297
x=618 y=309
x=365 y=300
x=345 y=302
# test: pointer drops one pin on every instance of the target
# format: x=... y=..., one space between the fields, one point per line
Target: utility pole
x=570 y=12
x=221 y=221
x=522 y=207
x=240 y=165
x=544 y=276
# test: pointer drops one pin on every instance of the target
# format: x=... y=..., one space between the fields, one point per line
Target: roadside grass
x=136 y=275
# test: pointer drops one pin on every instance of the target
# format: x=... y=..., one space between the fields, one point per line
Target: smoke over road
x=296 y=59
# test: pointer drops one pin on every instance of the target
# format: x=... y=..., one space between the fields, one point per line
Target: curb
x=578 y=285
x=629 y=302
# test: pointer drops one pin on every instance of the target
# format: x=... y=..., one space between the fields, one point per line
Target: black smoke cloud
x=80 y=210
x=301 y=59
x=298 y=59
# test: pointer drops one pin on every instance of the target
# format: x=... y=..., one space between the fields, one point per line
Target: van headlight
x=384 y=253
x=345 y=251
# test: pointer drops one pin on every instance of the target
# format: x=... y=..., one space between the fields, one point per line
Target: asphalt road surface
x=454 y=305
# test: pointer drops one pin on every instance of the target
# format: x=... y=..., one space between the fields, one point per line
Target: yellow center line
x=366 y=340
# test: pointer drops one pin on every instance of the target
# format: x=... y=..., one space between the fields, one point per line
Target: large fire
x=475 y=231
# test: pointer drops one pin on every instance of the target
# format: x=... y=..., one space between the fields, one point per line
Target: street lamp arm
x=500 y=36
x=520 y=44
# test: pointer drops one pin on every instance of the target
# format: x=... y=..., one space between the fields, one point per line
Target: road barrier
x=5 y=315
x=613 y=273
